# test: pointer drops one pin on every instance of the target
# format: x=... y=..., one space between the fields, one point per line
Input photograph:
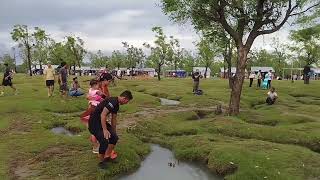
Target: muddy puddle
x=63 y=131
x=168 y=102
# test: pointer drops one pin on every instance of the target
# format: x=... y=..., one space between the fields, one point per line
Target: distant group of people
x=49 y=75
x=264 y=78
x=101 y=108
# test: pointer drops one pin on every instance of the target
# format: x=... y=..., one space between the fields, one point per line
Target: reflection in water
x=62 y=130
x=161 y=165
x=168 y=102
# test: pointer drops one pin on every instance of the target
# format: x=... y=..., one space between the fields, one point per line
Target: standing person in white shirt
x=272 y=96
x=259 y=77
x=270 y=76
x=251 y=77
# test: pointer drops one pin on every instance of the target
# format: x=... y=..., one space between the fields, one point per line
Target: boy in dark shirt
x=196 y=80
x=104 y=132
x=7 y=77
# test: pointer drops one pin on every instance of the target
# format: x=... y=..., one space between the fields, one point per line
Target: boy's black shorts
x=103 y=141
x=49 y=83
x=6 y=82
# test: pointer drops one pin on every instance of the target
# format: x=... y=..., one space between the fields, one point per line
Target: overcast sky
x=103 y=24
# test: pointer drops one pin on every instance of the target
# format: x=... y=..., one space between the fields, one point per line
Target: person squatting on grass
x=7 y=77
x=75 y=90
x=49 y=77
x=105 y=132
x=272 y=96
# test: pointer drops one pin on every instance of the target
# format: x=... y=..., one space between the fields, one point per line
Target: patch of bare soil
x=22 y=168
x=16 y=127
x=130 y=121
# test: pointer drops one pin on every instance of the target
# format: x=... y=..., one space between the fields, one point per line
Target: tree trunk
x=29 y=59
x=159 y=70
x=80 y=72
x=74 y=69
x=230 y=76
x=234 y=105
x=205 y=72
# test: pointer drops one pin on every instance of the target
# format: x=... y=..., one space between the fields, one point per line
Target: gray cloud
x=103 y=24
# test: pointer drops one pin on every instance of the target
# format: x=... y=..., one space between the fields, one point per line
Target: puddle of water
x=168 y=102
x=157 y=167
x=62 y=130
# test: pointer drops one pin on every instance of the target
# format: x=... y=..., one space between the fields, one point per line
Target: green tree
x=188 y=61
x=207 y=53
x=76 y=51
x=280 y=56
x=162 y=52
x=21 y=34
x=177 y=52
x=41 y=46
x=117 y=59
x=135 y=56
x=6 y=59
x=307 y=43
x=98 y=60
x=58 y=52
x=243 y=20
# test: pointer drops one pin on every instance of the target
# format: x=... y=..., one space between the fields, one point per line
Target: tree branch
x=276 y=28
x=313 y=6
x=225 y=25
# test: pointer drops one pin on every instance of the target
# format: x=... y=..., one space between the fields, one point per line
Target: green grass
x=264 y=142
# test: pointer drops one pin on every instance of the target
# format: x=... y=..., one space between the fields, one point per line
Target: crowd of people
x=101 y=115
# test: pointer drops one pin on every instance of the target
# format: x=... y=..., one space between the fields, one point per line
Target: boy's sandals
x=114 y=155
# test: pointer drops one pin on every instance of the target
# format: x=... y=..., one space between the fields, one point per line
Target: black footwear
x=103 y=165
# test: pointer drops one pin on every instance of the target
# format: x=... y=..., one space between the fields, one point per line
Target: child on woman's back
x=95 y=96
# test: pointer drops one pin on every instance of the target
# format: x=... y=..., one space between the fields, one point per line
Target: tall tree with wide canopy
x=162 y=52
x=75 y=46
x=21 y=34
x=41 y=46
x=117 y=59
x=135 y=56
x=207 y=52
x=243 y=20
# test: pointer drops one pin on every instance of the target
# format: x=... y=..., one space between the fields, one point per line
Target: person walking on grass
x=272 y=96
x=269 y=76
x=252 y=76
x=259 y=77
x=49 y=77
x=104 y=132
x=63 y=75
x=7 y=80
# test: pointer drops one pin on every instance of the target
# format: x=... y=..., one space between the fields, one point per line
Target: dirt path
x=130 y=120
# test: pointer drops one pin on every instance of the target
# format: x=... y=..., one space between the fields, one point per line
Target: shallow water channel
x=62 y=130
x=161 y=165
x=168 y=102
